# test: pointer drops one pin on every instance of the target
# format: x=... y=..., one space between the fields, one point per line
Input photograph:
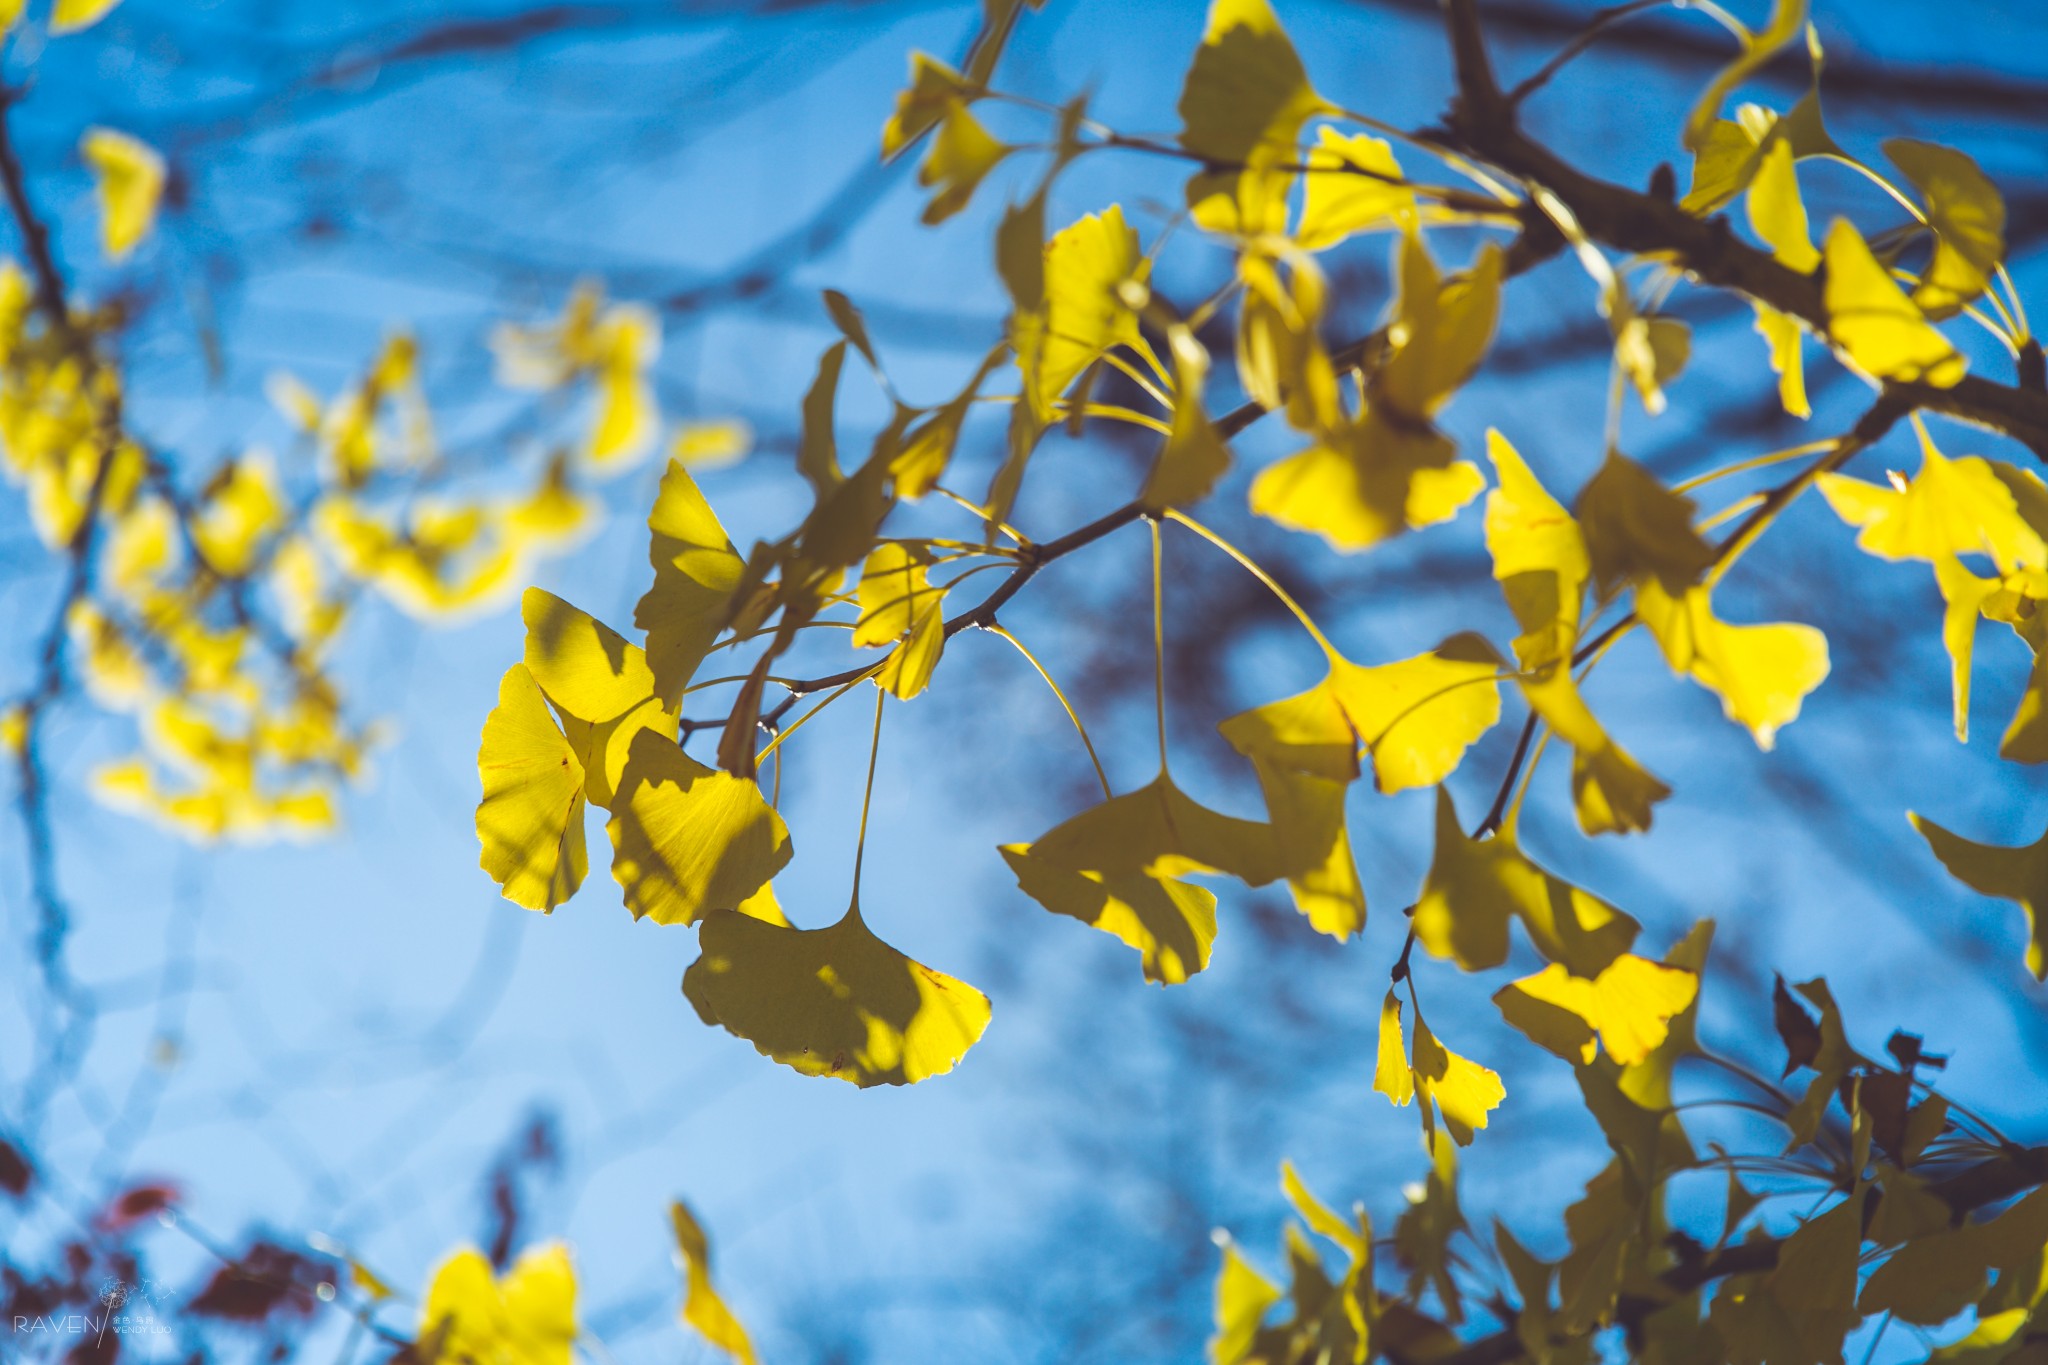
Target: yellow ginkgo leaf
x=530 y=821
x=1416 y=717
x=1366 y=481
x=1476 y=887
x=961 y=155
x=1636 y=528
x=627 y=418
x=1353 y=185
x=1777 y=213
x=833 y=1002
x=1391 y=1076
x=1463 y=1091
x=1193 y=456
x=1758 y=47
x=1441 y=329
x=894 y=592
x=1785 y=335
x=1652 y=352
x=1963 y=596
x=1242 y=1297
x=528 y=1317
x=69 y=16
x=240 y=508
x=129 y=174
x=1119 y=866
x=1761 y=673
x=1955 y=507
x=586 y=668
x=713 y=444
x=696 y=571
x=703 y=1309
x=1967 y=215
x=1242 y=108
x=934 y=88
x=1629 y=1004
x=1083 y=314
x=2018 y=874
x=1880 y=331
x=687 y=839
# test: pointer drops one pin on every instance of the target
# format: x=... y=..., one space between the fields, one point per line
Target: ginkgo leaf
x=1652 y=352
x=832 y=1002
x=628 y=340
x=69 y=16
x=1761 y=673
x=128 y=172
x=703 y=1309
x=1785 y=336
x=1441 y=329
x=528 y=1317
x=1806 y=1305
x=1083 y=313
x=687 y=839
x=1119 y=866
x=1629 y=1004
x=1242 y=108
x=241 y=508
x=712 y=444
x=1193 y=456
x=1758 y=47
x=1636 y=528
x=2018 y=874
x=1880 y=331
x=1951 y=507
x=1391 y=1076
x=894 y=592
x=586 y=668
x=1306 y=813
x=1366 y=481
x=1476 y=887
x=1463 y=1091
x=530 y=821
x=934 y=89
x=1242 y=1297
x=1353 y=185
x=696 y=571
x=961 y=155
x=1777 y=213
x=1967 y=215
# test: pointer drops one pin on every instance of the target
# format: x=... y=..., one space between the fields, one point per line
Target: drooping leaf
x=687 y=839
x=1193 y=456
x=1967 y=215
x=1785 y=336
x=530 y=821
x=1120 y=866
x=1366 y=481
x=1878 y=330
x=1242 y=107
x=1761 y=673
x=1777 y=213
x=1628 y=1005
x=961 y=156
x=2018 y=874
x=834 y=1002
x=703 y=1309
x=696 y=571
x=1242 y=1297
x=129 y=173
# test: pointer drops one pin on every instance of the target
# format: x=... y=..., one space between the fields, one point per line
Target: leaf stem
x=867 y=796
x=1072 y=715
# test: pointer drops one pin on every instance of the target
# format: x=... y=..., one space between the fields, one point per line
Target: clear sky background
x=361 y=1025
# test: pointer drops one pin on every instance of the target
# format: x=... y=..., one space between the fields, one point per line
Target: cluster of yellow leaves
x=590 y=719
x=473 y=1317
x=1989 y=512
x=610 y=347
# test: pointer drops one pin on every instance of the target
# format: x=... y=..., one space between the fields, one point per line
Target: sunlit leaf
x=696 y=571
x=2018 y=874
x=1880 y=331
x=1761 y=673
x=1367 y=481
x=1193 y=457
x=1120 y=866
x=1758 y=47
x=1777 y=213
x=1785 y=336
x=703 y=1309
x=1242 y=108
x=241 y=508
x=1391 y=1076
x=1967 y=215
x=527 y=1317
x=687 y=839
x=1628 y=1004
x=129 y=173
x=1083 y=314
x=1353 y=185
x=1951 y=507
x=69 y=16
x=934 y=89
x=1242 y=1297
x=1463 y=1091
x=833 y=1002
x=531 y=819
x=1636 y=528
x=962 y=154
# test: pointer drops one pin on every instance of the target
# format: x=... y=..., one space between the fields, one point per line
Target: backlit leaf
x=1758 y=47
x=129 y=173
x=1761 y=673
x=961 y=156
x=1629 y=1004
x=687 y=839
x=703 y=1309
x=2019 y=875
x=1366 y=481
x=1243 y=105
x=1880 y=331
x=1353 y=185
x=527 y=1317
x=1637 y=528
x=1967 y=215
x=530 y=821
x=1785 y=335
x=1776 y=212
x=832 y=1002
x=1242 y=1297
x=696 y=571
